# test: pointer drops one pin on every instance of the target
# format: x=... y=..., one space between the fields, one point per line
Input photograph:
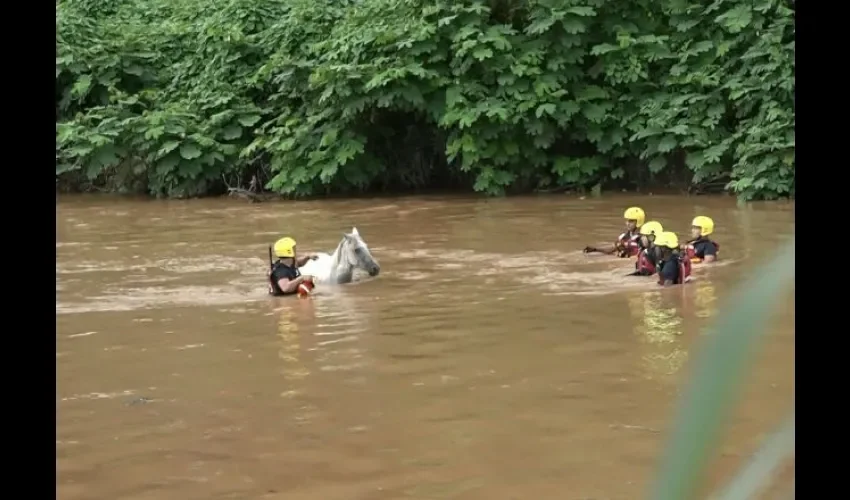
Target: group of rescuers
x=658 y=251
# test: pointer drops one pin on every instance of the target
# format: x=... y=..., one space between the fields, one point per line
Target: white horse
x=338 y=268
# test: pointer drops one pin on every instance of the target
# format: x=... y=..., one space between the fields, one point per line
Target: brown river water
x=491 y=359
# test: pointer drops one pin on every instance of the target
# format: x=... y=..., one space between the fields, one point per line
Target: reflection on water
x=490 y=359
x=704 y=299
x=290 y=345
x=659 y=327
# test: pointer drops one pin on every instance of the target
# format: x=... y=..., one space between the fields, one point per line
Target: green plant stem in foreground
x=172 y=96
x=758 y=473
x=718 y=373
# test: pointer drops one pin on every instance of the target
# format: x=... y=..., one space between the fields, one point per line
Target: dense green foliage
x=314 y=96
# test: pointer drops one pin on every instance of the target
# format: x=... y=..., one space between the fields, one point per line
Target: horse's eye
x=358 y=251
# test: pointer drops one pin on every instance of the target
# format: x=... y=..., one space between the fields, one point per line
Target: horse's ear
x=354 y=231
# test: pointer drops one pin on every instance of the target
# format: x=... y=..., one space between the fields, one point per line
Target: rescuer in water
x=647 y=259
x=673 y=267
x=700 y=248
x=284 y=276
x=627 y=243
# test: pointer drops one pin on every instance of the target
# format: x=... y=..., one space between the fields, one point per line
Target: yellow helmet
x=635 y=214
x=667 y=239
x=284 y=247
x=651 y=228
x=705 y=224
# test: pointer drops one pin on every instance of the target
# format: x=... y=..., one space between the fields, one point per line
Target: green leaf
x=667 y=144
x=581 y=11
x=212 y=158
x=482 y=53
x=329 y=137
x=327 y=173
x=168 y=147
x=736 y=19
x=573 y=26
x=714 y=153
x=603 y=48
x=248 y=120
x=563 y=165
x=445 y=21
x=61 y=168
x=547 y=109
x=703 y=46
x=593 y=112
x=79 y=150
x=154 y=133
x=134 y=69
x=454 y=95
x=540 y=26
x=695 y=160
x=189 y=151
x=591 y=93
x=569 y=108
x=175 y=129
x=190 y=168
x=349 y=149
x=93 y=169
x=678 y=130
x=166 y=165
x=685 y=25
x=81 y=86
x=231 y=132
x=657 y=164
x=107 y=156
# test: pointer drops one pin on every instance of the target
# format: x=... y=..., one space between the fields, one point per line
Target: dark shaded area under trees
x=184 y=98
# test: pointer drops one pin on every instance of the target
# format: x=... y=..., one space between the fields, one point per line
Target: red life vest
x=691 y=251
x=643 y=263
x=684 y=271
x=628 y=244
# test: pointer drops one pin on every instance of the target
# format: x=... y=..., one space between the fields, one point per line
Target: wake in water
x=161 y=283
x=171 y=282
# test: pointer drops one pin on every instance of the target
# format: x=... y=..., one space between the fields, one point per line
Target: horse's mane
x=337 y=261
x=337 y=254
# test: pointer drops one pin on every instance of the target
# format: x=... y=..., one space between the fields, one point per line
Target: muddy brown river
x=491 y=359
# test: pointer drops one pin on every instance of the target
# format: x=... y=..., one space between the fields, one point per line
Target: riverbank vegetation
x=307 y=97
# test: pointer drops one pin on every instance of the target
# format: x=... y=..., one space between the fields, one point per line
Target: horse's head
x=356 y=253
